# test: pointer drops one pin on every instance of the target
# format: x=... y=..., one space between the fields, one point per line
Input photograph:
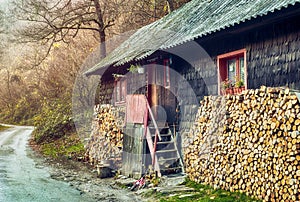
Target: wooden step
x=159 y=125
x=166 y=151
x=175 y=168
x=162 y=135
x=161 y=130
x=168 y=159
x=166 y=142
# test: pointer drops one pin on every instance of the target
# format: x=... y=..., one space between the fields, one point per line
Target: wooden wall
x=134 y=146
x=273 y=59
x=273 y=54
x=105 y=91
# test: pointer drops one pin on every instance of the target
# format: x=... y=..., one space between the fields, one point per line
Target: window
x=120 y=91
x=232 y=66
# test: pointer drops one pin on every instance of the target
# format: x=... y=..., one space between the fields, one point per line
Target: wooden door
x=161 y=99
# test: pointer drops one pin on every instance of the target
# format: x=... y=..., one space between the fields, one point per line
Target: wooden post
x=154 y=100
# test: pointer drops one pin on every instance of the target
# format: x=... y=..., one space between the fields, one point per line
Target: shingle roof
x=195 y=19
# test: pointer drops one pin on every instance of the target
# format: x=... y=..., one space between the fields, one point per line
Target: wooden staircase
x=167 y=156
x=162 y=145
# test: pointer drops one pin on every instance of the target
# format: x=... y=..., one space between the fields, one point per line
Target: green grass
x=204 y=193
x=2 y=128
x=68 y=146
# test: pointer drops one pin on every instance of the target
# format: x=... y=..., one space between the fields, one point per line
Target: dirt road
x=24 y=178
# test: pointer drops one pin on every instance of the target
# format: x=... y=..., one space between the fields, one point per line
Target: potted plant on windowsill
x=227 y=87
x=136 y=69
x=239 y=85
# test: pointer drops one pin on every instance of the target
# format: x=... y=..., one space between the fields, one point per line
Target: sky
x=3 y=3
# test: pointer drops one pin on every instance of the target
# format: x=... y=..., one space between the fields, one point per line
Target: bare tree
x=10 y=89
x=170 y=5
x=1 y=31
x=174 y=4
x=51 y=21
x=1 y=20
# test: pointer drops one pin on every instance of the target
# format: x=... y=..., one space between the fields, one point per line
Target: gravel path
x=85 y=181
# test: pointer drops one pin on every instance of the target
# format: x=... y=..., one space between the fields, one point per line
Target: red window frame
x=222 y=61
x=120 y=91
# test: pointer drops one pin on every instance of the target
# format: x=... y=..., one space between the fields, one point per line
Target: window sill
x=233 y=91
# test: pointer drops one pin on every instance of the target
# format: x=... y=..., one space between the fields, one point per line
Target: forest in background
x=46 y=44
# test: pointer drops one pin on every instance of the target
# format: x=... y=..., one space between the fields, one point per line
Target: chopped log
x=257 y=147
x=106 y=139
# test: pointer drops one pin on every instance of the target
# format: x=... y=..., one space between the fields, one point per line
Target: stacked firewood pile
x=257 y=151
x=105 y=144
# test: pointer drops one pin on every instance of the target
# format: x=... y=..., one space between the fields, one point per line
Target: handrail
x=152 y=150
x=153 y=120
x=152 y=145
x=176 y=148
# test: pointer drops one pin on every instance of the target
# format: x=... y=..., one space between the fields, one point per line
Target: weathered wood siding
x=274 y=56
x=136 y=83
x=105 y=91
x=201 y=74
x=133 y=151
x=273 y=53
x=273 y=59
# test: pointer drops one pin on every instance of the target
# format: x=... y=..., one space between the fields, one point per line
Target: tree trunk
x=101 y=28
x=170 y=5
x=102 y=44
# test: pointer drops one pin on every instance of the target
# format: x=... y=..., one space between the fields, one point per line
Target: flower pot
x=235 y=90
x=239 y=90
x=229 y=91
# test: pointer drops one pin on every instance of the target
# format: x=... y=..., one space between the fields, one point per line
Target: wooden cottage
x=193 y=52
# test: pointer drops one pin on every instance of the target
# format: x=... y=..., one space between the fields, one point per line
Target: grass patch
x=204 y=193
x=68 y=146
x=2 y=128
